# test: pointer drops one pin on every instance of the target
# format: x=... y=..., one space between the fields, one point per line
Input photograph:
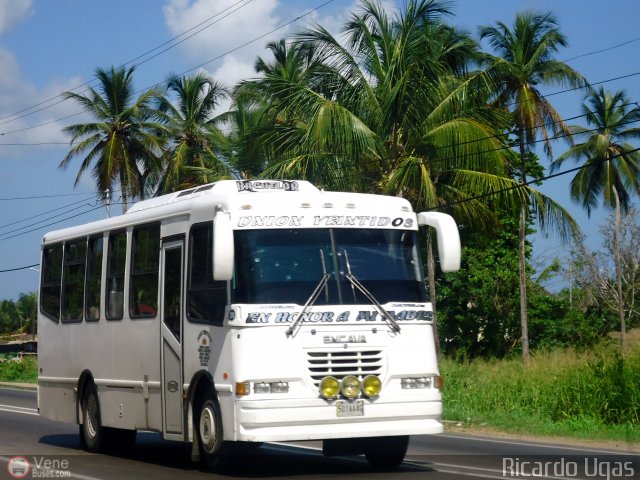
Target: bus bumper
x=316 y=419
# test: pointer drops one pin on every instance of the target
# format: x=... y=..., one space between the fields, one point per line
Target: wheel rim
x=208 y=433
x=92 y=415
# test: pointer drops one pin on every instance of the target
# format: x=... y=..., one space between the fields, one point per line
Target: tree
x=191 y=156
x=394 y=111
x=27 y=307
x=611 y=169
x=121 y=143
x=525 y=62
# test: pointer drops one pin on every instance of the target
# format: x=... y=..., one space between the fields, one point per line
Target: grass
x=25 y=371
x=588 y=395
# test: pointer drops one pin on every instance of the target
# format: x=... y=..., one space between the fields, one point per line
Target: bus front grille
x=339 y=364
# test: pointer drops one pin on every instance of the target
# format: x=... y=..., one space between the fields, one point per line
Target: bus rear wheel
x=91 y=431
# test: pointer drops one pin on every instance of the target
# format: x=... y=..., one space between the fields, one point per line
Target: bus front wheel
x=209 y=431
x=386 y=453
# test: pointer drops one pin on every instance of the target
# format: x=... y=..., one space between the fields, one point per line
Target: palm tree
x=611 y=169
x=191 y=156
x=243 y=123
x=392 y=111
x=525 y=62
x=121 y=143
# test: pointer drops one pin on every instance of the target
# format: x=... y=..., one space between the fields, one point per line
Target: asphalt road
x=53 y=450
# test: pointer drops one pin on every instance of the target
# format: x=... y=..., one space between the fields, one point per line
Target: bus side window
x=143 y=292
x=75 y=256
x=116 y=264
x=93 y=286
x=206 y=298
x=51 y=281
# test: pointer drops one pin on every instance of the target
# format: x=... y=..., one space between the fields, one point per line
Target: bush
x=563 y=392
x=23 y=371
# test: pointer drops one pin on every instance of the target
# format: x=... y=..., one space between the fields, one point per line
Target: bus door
x=171 y=339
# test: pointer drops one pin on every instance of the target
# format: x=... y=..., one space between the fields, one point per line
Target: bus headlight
x=273 y=387
x=417 y=382
x=329 y=388
x=371 y=386
x=350 y=386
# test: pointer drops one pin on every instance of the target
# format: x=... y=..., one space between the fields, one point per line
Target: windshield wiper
x=393 y=325
x=322 y=285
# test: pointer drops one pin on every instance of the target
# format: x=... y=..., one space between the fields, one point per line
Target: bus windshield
x=285 y=265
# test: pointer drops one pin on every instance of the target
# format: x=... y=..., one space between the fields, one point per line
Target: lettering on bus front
x=332 y=317
x=258 y=185
x=324 y=221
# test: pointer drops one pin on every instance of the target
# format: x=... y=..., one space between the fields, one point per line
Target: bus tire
x=208 y=424
x=91 y=431
x=386 y=453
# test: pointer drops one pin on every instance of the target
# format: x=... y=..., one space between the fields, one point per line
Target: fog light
x=329 y=387
x=371 y=386
x=350 y=386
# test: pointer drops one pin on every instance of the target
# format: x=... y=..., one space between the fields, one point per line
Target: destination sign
x=261 y=185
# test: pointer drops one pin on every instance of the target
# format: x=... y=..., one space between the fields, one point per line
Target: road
x=55 y=448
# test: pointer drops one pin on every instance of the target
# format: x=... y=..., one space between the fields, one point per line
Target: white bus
x=243 y=312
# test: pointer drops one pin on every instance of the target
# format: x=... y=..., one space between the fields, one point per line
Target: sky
x=47 y=48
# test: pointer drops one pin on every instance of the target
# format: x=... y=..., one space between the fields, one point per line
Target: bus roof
x=234 y=195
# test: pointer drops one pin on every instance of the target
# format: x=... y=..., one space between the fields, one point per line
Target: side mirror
x=447 y=236
x=223 y=248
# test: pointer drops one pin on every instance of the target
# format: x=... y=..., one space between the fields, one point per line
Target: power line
x=39 y=197
x=466 y=200
x=40 y=214
x=50 y=224
x=603 y=50
x=536 y=180
x=185 y=72
x=19 y=268
x=7 y=118
x=42 y=221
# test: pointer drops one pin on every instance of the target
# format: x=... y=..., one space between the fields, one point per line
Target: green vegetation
x=25 y=371
x=407 y=104
x=18 y=316
x=591 y=395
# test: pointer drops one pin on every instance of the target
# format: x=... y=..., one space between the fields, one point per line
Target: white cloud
x=236 y=24
x=12 y=12
x=18 y=95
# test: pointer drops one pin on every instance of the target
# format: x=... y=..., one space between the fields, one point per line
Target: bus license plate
x=350 y=409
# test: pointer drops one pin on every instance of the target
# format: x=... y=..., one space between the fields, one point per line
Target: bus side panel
x=208 y=347
x=136 y=356
x=57 y=383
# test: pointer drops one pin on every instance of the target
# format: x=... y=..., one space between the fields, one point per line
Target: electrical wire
x=466 y=200
x=7 y=118
x=11 y=224
x=19 y=268
x=156 y=55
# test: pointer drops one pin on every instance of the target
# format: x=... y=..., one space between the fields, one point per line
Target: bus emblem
x=204 y=348
x=172 y=386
